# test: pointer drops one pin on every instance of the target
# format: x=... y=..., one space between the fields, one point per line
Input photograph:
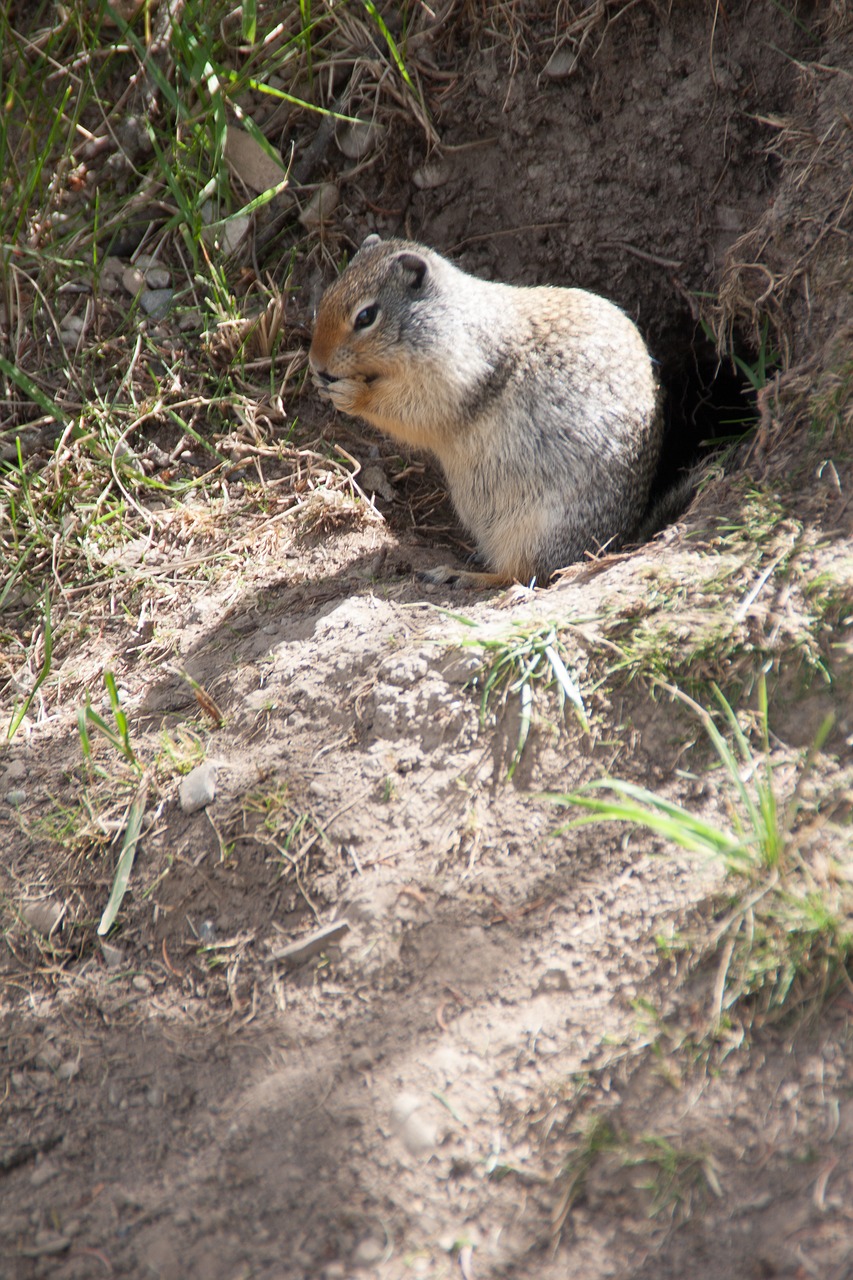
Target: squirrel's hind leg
x=447 y=575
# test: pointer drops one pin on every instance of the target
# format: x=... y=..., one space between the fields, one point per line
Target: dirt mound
x=506 y=1058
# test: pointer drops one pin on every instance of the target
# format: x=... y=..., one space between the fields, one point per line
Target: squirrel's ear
x=415 y=268
x=373 y=238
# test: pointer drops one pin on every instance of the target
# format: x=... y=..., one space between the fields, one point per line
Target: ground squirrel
x=540 y=404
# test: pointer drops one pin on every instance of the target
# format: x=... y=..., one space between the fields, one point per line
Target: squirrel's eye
x=366 y=317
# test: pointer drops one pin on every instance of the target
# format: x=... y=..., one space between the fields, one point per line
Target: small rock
x=313 y=944
x=357 y=140
x=374 y=480
x=434 y=174
x=321 y=206
x=156 y=302
x=68 y=1070
x=133 y=279
x=42 y=1173
x=158 y=278
x=207 y=932
x=226 y=237
x=141 y=983
x=560 y=64
x=368 y=1252
x=252 y=164
x=417 y=1131
x=113 y=956
x=190 y=320
x=16 y=798
x=111 y=274
x=49 y=1057
x=45 y=1244
x=198 y=788
x=15 y=769
x=71 y=330
x=555 y=979
x=43 y=916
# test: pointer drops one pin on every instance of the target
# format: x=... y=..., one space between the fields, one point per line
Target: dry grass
x=139 y=448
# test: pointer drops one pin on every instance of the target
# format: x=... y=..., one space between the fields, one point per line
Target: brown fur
x=539 y=403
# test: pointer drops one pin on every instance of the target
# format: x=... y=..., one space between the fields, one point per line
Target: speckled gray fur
x=540 y=403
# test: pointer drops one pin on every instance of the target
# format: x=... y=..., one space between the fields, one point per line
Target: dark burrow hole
x=709 y=406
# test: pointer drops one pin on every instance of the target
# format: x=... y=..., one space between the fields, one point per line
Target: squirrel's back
x=539 y=403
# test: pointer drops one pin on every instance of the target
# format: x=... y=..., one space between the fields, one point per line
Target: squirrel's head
x=369 y=321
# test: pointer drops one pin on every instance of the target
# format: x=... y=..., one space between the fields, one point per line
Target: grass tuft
x=527 y=661
x=784 y=936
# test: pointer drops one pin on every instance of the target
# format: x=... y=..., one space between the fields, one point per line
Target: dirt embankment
x=502 y=1065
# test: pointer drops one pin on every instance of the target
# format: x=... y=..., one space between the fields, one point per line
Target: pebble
x=560 y=64
x=46 y=1243
x=251 y=162
x=207 y=932
x=418 y=1133
x=368 y=1252
x=234 y=233
x=43 y=916
x=43 y=1173
x=49 y=1057
x=429 y=176
x=374 y=480
x=113 y=956
x=141 y=983
x=156 y=302
x=16 y=797
x=357 y=140
x=198 y=788
x=321 y=206
x=158 y=278
x=226 y=237
x=15 y=769
x=71 y=330
x=111 y=273
x=133 y=279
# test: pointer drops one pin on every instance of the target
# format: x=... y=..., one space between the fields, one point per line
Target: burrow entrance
x=710 y=401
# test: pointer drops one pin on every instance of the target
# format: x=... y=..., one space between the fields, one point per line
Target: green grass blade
x=389 y=40
x=119 y=716
x=30 y=389
x=567 y=684
x=124 y=867
x=250 y=21
x=83 y=730
x=18 y=715
x=755 y=811
x=649 y=809
x=14 y=574
x=526 y=715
